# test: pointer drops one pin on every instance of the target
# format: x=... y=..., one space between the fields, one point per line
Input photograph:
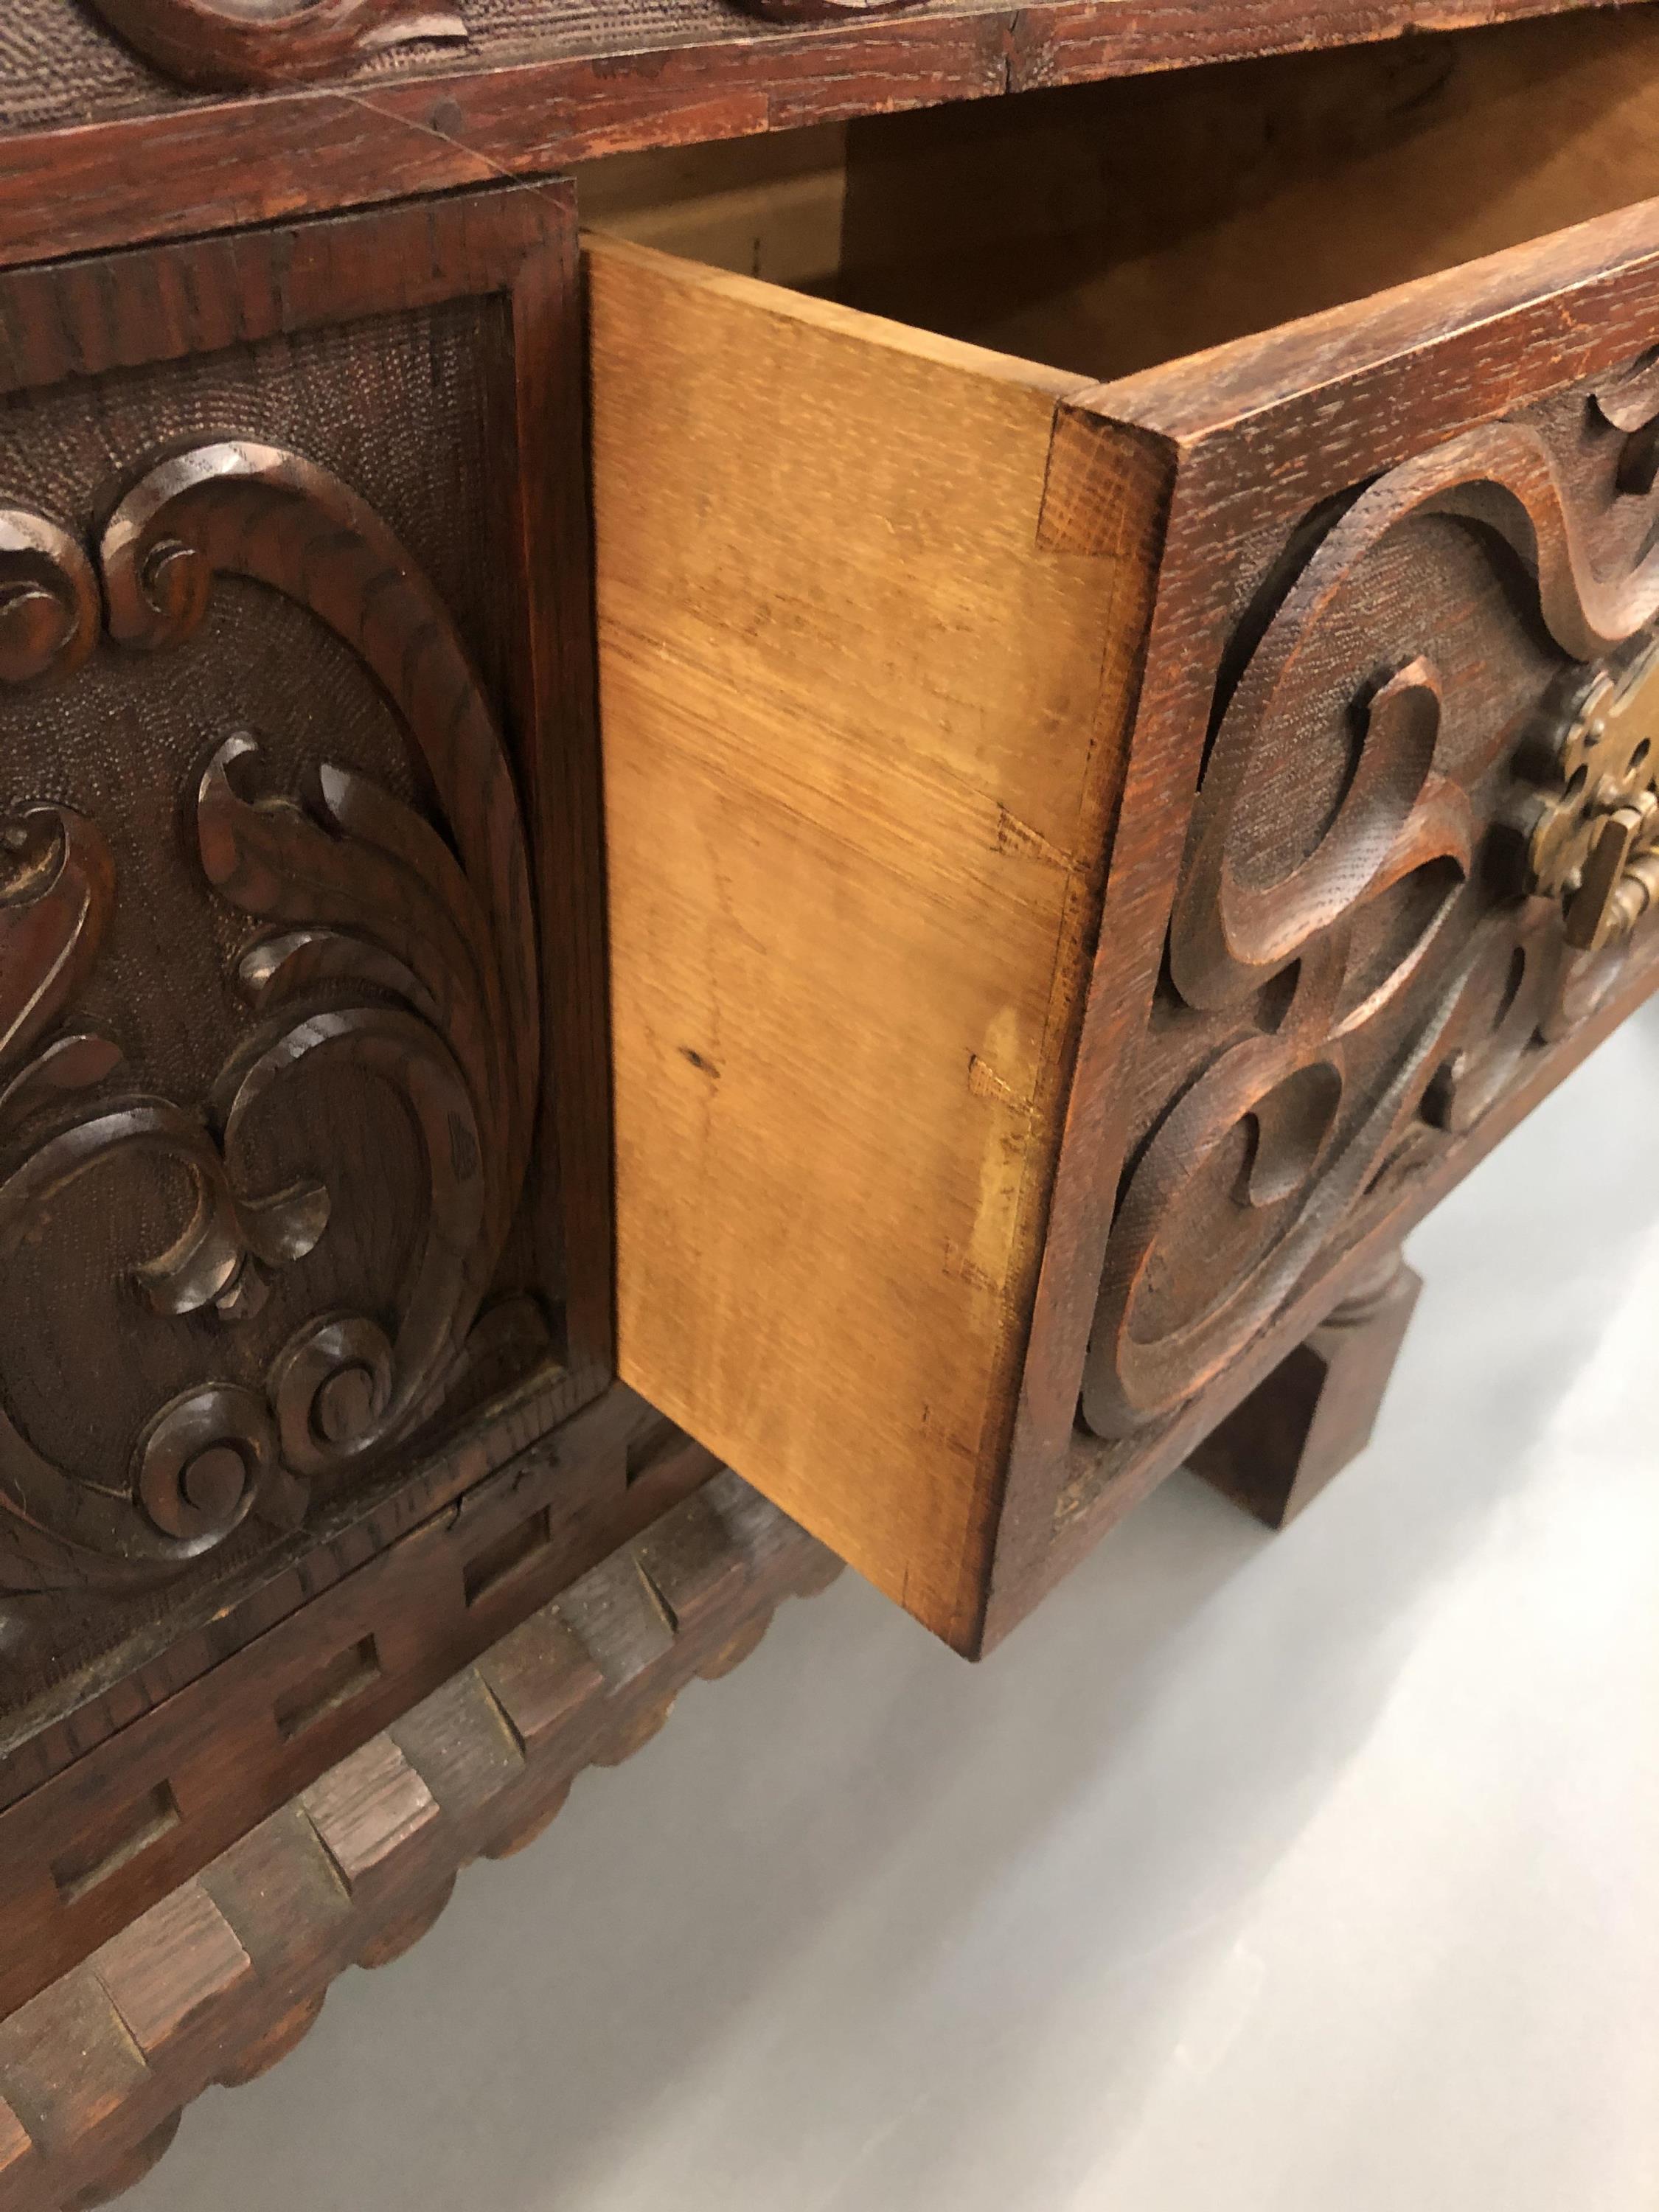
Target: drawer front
x=1402 y=674
x=1425 y=843
x=303 y=1139
x=1090 y=862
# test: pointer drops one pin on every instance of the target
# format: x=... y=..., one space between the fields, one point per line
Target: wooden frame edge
x=198 y=165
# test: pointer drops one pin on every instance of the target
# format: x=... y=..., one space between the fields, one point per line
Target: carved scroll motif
x=386 y=951
x=236 y=45
x=827 y=11
x=1498 y=928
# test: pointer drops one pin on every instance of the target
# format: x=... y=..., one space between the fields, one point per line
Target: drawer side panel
x=852 y=664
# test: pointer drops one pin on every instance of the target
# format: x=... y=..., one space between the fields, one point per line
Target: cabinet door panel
x=304 y=1153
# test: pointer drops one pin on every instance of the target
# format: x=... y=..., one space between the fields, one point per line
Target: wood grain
x=1280 y=1446
x=786 y=1054
x=614 y=78
x=187 y=1957
x=847 y=889
x=1111 y=226
x=1098 y=1489
x=771 y=207
x=302 y=740
x=94 y=1827
x=1261 y=444
x=220 y=1977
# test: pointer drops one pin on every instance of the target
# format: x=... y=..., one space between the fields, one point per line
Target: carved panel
x=386 y=951
x=280 y=767
x=1425 y=841
x=825 y=11
x=236 y=44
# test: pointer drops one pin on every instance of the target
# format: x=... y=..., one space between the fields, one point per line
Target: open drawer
x=1091 y=862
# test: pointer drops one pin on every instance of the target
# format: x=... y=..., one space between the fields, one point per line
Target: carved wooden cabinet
x=888 y=826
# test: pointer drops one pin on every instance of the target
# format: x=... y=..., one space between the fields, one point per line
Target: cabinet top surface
x=128 y=119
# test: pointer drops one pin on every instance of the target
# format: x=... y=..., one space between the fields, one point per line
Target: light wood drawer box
x=1090 y=863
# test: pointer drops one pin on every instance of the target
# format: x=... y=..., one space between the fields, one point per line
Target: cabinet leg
x=1281 y=1445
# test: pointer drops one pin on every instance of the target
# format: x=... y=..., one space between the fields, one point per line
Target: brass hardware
x=1593 y=837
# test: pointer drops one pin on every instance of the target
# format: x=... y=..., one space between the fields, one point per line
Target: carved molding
x=826 y=11
x=586 y=1679
x=237 y=44
x=1348 y=1071
x=385 y=949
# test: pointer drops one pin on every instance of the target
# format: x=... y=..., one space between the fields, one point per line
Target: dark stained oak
x=112 y=1819
x=621 y=75
x=1277 y=1451
x=304 y=1137
x=1428 y=368
x=236 y=45
x=1096 y=830
x=222 y=1975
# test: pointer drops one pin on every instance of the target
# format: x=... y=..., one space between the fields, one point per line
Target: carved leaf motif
x=232 y=45
x=382 y=870
x=391 y=953
x=57 y=893
x=391 y=880
x=115 y=1534
x=255 y=511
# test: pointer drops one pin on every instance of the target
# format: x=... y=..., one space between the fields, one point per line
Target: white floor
x=1313 y=1874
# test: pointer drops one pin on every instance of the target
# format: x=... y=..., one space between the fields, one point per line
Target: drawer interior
x=1103 y=228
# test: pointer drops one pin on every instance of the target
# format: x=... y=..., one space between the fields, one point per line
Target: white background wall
x=1309 y=1874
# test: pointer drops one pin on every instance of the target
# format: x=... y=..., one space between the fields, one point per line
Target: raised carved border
x=223 y=1976
x=241 y=45
x=121 y=1820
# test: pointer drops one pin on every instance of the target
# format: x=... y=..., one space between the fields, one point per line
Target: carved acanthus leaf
x=57 y=893
x=393 y=952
